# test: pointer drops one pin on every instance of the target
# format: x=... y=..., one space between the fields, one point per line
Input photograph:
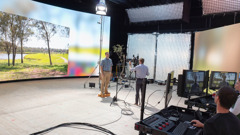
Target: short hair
x=106 y=53
x=227 y=97
x=142 y=60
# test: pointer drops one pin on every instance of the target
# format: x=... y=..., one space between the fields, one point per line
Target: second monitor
x=219 y=79
x=193 y=83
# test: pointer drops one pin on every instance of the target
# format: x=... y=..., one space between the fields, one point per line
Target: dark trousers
x=139 y=85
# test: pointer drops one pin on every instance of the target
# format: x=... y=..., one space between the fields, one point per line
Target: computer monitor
x=192 y=82
x=169 y=87
x=219 y=79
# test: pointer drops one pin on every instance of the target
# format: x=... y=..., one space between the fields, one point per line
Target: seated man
x=236 y=109
x=224 y=122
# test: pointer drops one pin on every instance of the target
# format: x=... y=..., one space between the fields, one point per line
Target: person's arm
x=147 y=72
x=130 y=67
x=210 y=129
x=237 y=86
x=197 y=123
x=111 y=66
x=236 y=109
x=101 y=68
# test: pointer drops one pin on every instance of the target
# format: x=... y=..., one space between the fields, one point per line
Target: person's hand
x=130 y=63
x=102 y=75
x=237 y=86
x=197 y=123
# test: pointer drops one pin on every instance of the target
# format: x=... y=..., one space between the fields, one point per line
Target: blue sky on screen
x=84 y=29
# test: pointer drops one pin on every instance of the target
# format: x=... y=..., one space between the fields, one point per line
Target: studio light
x=156 y=13
x=101 y=8
x=220 y=6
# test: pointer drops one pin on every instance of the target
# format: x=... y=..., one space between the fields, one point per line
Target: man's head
x=224 y=77
x=107 y=54
x=226 y=97
x=141 y=61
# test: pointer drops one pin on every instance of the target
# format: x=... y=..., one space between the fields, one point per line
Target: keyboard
x=180 y=129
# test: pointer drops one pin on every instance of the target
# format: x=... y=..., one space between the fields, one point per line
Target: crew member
x=236 y=109
x=141 y=73
x=106 y=70
x=224 y=122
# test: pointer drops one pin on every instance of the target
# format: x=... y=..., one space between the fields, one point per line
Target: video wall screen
x=39 y=40
x=218 y=49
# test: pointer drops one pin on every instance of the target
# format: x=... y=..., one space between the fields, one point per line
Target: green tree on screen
x=24 y=27
x=13 y=35
x=46 y=32
x=4 y=28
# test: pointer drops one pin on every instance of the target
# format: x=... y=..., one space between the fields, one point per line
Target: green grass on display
x=34 y=66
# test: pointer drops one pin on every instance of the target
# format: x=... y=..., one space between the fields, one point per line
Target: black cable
x=150 y=96
x=72 y=124
x=88 y=129
x=126 y=110
x=179 y=101
x=152 y=105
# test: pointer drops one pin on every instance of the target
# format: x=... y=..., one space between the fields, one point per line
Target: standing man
x=106 y=70
x=141 y=73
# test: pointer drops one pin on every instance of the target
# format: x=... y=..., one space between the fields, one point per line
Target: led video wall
x=39 y=40
x=218 y=49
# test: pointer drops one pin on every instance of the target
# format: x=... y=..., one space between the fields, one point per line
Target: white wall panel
x=173 y=53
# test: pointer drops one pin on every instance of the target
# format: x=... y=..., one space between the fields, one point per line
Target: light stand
x=155 y=56
x=101 y=41
x=100 y=55
x=101 y=9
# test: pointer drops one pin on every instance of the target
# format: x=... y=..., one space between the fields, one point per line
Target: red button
x=167 y=124
x=160 y=128
x=164 y=126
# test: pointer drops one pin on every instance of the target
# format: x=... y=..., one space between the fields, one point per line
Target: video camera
x=134 y=60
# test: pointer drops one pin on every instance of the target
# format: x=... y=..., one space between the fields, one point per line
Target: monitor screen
x=169 y=87
x=194 y=82
x=220 y=79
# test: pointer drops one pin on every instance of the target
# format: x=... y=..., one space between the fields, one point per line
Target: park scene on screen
x=49 y=41
x=31 y=48
x=194 y=81
x=220 y=79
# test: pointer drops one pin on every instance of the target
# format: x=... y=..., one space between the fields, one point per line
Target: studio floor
x=31 y=106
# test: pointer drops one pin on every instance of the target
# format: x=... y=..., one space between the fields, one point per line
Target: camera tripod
x=123 y=85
